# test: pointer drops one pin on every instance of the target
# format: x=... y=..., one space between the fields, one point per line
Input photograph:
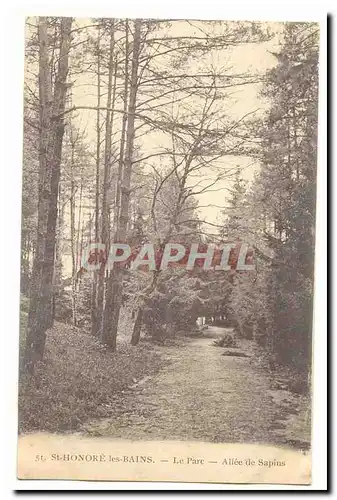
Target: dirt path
x=199 y=395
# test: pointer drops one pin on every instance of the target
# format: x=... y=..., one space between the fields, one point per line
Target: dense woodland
x=126 y=125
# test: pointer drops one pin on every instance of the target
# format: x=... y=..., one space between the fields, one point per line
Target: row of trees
x=278 y=210
x=127 y=158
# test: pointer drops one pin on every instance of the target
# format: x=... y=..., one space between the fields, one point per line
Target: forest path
x=199 y=395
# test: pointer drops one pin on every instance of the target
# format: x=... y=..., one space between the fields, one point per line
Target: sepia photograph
x=167 y=250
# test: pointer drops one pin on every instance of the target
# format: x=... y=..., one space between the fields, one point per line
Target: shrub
x=227 y=340
x=79 y=379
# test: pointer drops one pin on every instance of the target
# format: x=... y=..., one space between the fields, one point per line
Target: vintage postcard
x=167 y=250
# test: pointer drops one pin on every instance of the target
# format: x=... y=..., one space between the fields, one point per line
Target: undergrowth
x=78 y=378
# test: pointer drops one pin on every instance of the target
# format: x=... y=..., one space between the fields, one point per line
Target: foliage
x=226 y=340
x=276 y=306
x=78 y=380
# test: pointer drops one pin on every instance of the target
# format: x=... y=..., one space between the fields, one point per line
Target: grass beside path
x=78 y=379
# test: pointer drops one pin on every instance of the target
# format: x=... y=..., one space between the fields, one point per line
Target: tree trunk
x=51 y=137
x=122 y=142
x=57 y=278
x=137 y=327
x=115 y=282
x=94 y=317
x=79 y=235
x=139 y=319
x=106 y=182
x=72 y=230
